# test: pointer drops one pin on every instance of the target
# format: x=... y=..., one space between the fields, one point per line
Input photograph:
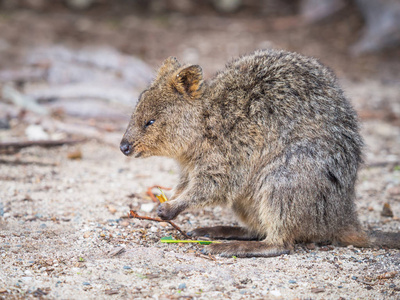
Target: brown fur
x=271 y=136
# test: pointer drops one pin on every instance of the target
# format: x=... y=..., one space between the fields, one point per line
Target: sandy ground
x=63 y=227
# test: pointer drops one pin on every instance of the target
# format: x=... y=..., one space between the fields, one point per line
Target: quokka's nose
x=125 y=147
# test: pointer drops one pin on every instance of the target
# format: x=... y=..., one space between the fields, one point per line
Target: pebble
x=317 y=290
x=86 y=283
x=387 y=211
x=112 y=209
x=182 y=286
x=26 y=278
x=276 y=293
x=163 y=224
x=124 y=223
x=292 y=281
x=127 y=267
x=86 y=234
x=395 y=190
x=354 y=277
x=147 y=207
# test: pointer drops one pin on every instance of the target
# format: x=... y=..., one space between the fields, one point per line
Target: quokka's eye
x=149 y=123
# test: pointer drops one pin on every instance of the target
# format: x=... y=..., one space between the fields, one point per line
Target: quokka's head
x=165 y=118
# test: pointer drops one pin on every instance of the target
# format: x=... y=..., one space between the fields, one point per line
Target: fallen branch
x=16 y=146
x=133 y=214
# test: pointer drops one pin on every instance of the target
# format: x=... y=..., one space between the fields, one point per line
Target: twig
x=151 y=194
x=133 y=214
x=16 y=146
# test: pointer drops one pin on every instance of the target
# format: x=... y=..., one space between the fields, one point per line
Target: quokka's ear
x=169 y=65
x=189 y=81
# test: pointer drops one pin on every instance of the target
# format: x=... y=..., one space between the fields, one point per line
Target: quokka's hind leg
x=224 y=232
x=247 y=249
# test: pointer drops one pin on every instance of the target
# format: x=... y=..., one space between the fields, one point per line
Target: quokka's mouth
x=139 y=154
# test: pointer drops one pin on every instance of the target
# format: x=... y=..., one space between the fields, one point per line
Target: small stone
x=36 y=133
x=370 y=208
x=111 y=292
x=368 y=287
x=147 y=207
x=354 y=277
x=387 y=275
x=394 y=191
x=387 y=211
x=317 y=290
x=75 y=155
x=3 y=291
x=116 y=251
x=87 y=234
x=163 y=224
x=326 y=248
x=276 y=293
x=86 y=283
x=26 y=279
x=292 y=281
x=43 y=226
x=127 y=267
x=112 y=209
x=182 y=286
x=124 y=223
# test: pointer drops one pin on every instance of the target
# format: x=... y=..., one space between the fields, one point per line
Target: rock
x=276 y=293
x=387 y=211
x=317 y=290
x=394 y=191
x=163 y=224
x=147 y=207
x=36 y=133
x=111 y=209
x=111 y=292
x=182 y=286
x=116 y=251
x=75 y=155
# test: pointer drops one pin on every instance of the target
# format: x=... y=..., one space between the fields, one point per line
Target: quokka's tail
x=362 y=239
x=384 y=239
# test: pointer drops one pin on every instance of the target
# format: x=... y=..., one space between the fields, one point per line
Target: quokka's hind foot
x=246 y=249
x=224 y=232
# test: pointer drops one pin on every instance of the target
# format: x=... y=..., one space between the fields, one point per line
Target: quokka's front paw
x=166 y=211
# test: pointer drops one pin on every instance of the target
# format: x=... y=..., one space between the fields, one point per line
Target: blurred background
x=74 y=68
